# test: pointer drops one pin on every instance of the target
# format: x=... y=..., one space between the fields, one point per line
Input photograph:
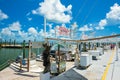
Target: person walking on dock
x=77 y=60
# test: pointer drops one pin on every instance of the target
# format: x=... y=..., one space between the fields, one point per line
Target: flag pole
x=45 y=26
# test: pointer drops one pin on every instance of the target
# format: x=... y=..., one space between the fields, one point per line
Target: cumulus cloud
x=32 y=30
x=85 y=28
x=74 y=25
x=52 y=31
x=15 y=26
x=101 y=24
x=11 y=30
x=53 y=10
x=118 y=26
x=3 y=15
x=23 y=34
x=6 y=31
x=41 y=32
x=112 y=17
x=114 y=12
x=84 y=36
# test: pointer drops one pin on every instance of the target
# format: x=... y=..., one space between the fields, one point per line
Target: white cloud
x=23 y=34
x=3 y=15
x=86 y=28
x=118 y=26
x=50 y=25
x=6 y=31
x=99 y=27
x=32 y=30
x=114 y=12
x=11 y=32
x=53 y=10
x=84 y=36
x=29 y=19
x=90 y=24
x=101 y=24
x=15 y=26
x=112 y=17
x=52 y=31
x=41 y=32
x=74 y=25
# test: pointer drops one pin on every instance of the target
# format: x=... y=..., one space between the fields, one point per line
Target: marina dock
x=105 y=68
x=60 y=40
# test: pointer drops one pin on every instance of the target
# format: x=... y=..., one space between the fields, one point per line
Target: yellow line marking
x=108 y=66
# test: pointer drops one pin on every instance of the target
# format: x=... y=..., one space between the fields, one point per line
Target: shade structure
x=55 y=47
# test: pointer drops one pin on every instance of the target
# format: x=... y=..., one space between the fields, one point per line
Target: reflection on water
x=11 y=53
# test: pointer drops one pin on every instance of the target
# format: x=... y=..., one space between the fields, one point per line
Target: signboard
x=53 y=67
x=62 y=66
x=37 y=44
x=63 y=31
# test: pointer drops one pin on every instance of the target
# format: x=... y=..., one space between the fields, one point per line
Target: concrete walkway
x=96 y=70
x=13 y=73
x=114 y=70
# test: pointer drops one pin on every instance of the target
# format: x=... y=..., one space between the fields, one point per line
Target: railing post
x=117 y=51
x=28 y=62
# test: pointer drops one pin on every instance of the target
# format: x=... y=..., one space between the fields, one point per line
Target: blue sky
x=24 y=19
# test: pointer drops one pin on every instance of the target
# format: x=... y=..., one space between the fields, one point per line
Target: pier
x=13 y=46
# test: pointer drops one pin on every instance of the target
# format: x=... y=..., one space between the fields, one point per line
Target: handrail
x=4 y=65
x=98 y=38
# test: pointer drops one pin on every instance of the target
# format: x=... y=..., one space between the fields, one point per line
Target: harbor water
x=8 y=54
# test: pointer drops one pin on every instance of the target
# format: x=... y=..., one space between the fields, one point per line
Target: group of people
x=112 y=46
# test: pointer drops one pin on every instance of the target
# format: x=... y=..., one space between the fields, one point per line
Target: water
x=11 y=54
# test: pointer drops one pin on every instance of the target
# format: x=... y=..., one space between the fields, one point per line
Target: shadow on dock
x=21 y=72
x=69 y=75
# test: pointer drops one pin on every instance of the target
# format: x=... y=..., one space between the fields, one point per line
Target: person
x=77 y=60
x=18 y=58
x=56 y=57
x=46 y=58
x=68 y=56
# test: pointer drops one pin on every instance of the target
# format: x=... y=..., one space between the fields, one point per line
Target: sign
x=53 y=67
x=36 y=44
x=62 y=66
x=63 y=31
